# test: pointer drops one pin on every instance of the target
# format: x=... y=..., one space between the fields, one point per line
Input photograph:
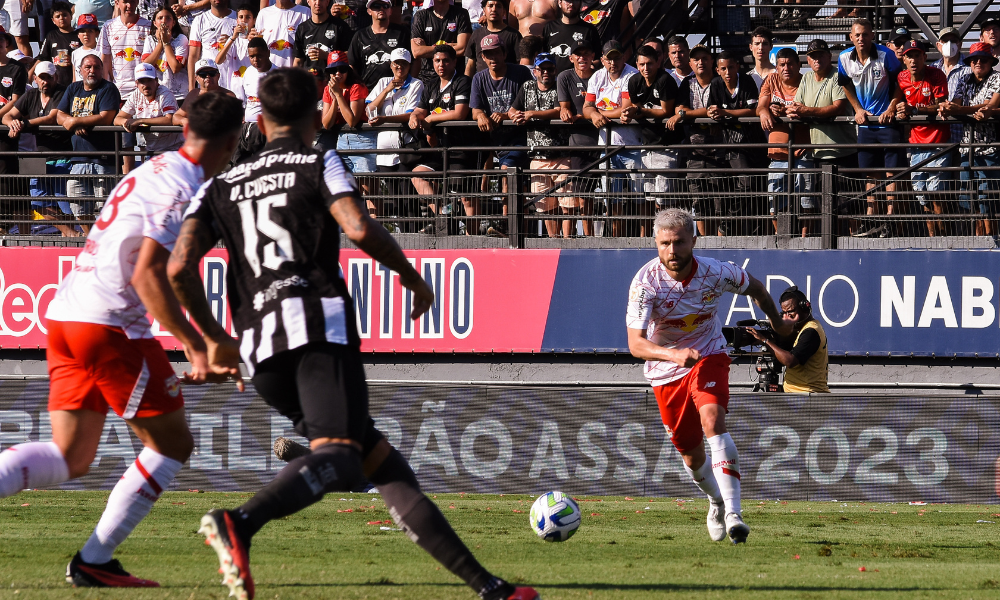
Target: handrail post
x=441 y=223
x=828 y=218
x=514 y=213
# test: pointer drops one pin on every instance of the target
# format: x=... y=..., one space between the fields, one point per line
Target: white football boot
x=738 y=530
x=716 y=521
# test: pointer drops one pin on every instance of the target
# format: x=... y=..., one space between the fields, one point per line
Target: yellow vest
x=811 y=376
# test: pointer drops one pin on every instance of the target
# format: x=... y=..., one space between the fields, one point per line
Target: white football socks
x=704 y=478
x=726 y=465
x=129 y=503
x=31 y=465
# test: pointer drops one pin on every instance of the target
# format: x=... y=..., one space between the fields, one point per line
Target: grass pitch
x=626 y=549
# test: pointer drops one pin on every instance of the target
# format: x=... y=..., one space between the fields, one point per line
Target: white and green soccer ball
x=555 y=517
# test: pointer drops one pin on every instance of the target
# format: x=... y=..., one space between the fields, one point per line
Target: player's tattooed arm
x=350 y=212
x=762 y=298
x=194 y=241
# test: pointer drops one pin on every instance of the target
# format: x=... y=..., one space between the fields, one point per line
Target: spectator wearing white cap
x=150 y=105
x=207 y=75
x=391 y=101
x=166 y=48
x=39 y=106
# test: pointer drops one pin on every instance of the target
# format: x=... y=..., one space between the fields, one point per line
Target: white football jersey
x=681 y=314
x=149 y=202
x=277 y=26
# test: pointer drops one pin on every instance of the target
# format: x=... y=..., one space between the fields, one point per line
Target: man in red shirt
x=923 y=87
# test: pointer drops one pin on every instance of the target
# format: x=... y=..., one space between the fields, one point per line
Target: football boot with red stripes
x=109 y=574
x=233 y=551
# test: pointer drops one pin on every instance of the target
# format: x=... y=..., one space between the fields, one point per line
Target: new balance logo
x=710 y=384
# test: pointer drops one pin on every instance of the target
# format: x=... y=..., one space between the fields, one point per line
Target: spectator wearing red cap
x=87 y=31
x=978 y=94
x=921 y=90
x=344 y=111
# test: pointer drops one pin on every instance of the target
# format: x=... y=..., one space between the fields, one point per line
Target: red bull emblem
x=291 y=29
x=452 y=26
x=7 y=81
x=239 y=72
x=594 y=17
x=709 y=296
x=172 y=386
x=279 y=45
x=129 y=54
x=607 y=104
x=687 y=323
x=215 y=45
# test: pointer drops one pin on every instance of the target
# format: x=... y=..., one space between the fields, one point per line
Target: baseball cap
x=87 y=21
x=205 y=64
x=699 y=48
x=44 y=67
x=817 y=45
x=336 y=58
x=16 y=54
x=913 y=45
x=10 y=39
x=990 y=22
x=400 y=54
x=611 y=47
x=981 y=49
x=490 y=42
x=901 y=32
x=370 y=2
x=581 y=46
x=145 y=71
x=544 y=57
x=949 y=31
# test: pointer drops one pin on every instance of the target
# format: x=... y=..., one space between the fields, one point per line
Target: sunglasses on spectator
x=546 y=68
x=207 y=74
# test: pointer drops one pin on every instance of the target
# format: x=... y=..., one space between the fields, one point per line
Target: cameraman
x=806 y=363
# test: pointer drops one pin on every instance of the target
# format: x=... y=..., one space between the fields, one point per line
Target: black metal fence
x=593 y=191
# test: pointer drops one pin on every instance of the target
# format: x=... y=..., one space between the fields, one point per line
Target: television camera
x=742 y=342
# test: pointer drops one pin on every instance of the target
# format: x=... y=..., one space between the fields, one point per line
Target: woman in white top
x=166 y=49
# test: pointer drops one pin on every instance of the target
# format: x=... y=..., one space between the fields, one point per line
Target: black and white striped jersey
x=284 y=280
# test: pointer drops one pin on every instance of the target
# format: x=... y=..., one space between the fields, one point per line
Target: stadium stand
x=946 y=199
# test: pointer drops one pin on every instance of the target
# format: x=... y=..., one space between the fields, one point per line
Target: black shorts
x=321 y=388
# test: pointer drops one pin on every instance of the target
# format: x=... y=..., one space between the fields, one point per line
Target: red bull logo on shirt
x=129 y=54
x=239 y=72
x=687 y=323
x=280 y=45
x=594 y=17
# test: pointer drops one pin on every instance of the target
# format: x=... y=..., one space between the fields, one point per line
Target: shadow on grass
x=634 y=587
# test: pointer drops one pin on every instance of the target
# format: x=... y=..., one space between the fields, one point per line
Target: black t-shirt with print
x=562 y=38
x=510 y=38
x=437 y=100
x=331 y=34
x=30 y=106
x=746 y=96
x=55 y=41
x=369 y=52
x=433 y=30
x=664 y=88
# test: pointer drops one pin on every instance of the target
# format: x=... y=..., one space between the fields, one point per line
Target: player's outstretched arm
x=221 y=351
x=640 y=347
x=762 y=298
x=150 y=281
x=375 y=241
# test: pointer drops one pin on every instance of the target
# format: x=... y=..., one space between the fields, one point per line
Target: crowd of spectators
x=548 y=83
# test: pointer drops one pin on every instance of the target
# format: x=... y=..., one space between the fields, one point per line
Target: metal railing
x=608 y=192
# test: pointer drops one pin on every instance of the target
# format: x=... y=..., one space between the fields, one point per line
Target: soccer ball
x=555 y=517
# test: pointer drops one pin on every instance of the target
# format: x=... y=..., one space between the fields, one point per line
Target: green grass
x=626 y=550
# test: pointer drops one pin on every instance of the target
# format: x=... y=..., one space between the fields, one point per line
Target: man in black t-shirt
x=370 y=49
x=651 y=98
x=567 y=32
x=298 y=334
x=59 y=43
x=315 y=38
x=446 y=99
x=733 y=95
x=572 y=88
x=38 y=106
x=443 y=24
x=495 y=12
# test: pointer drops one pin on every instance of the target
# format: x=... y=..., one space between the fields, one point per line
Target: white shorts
x=18 y=21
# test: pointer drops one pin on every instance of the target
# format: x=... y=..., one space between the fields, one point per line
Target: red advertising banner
x=485 y=300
